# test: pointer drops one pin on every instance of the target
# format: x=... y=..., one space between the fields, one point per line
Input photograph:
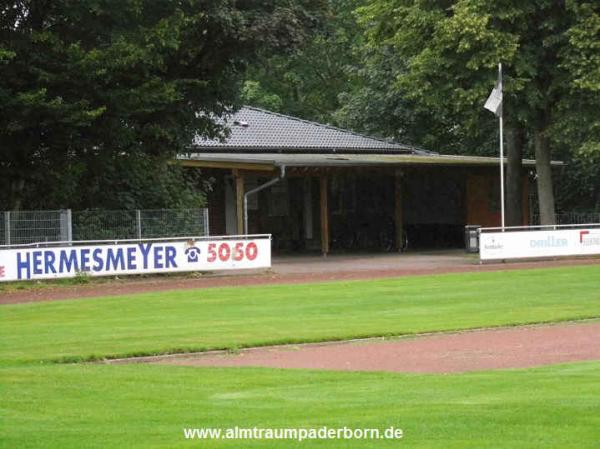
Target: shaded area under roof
x=257 y=130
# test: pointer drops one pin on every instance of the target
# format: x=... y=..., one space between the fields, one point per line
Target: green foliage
x=582 y=56
x=89 y=90
x=306 y=82
x=576 y=129
x=253 y=93
x=122 y=181
x=576 y=135
x=81 y=278
x=371 y=105
x=420 y=72
x=449 y=52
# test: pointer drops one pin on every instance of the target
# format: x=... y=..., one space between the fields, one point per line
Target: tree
x=307 y=81
x=371 y=105
x=99 y=89
x=577 y=124
x=451 y=48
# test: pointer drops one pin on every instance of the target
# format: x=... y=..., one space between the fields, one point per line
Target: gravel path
x=290 y=270
x=517 y=347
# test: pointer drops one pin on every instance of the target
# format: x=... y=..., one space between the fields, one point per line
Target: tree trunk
x=514 y=176
x=544 y=179
x=16 y=200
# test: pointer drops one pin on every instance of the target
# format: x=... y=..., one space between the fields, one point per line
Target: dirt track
x=518 y=347
x=291 y=271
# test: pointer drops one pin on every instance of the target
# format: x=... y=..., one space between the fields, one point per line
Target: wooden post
x=239 y=201
x=324 y=216
x=398 y=215
x=308 y=208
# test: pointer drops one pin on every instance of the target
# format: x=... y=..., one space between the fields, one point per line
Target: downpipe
x=258 y=189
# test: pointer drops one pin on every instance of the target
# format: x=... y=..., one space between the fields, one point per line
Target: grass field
x=142 y=406
x=195 y=320
x=49 y=405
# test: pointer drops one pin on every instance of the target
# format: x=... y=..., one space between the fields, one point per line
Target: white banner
x=134 y=258
x=523 y=244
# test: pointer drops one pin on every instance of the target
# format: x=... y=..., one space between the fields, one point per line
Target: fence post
x=138 y=219
x=7 y=227
x=66 y=225
x=206 y=222
x=69 y=225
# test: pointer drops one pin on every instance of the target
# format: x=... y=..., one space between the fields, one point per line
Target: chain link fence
x=571 y=218
x=28 y=226
x=21 y=227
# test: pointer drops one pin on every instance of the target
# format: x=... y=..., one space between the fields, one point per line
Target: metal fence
x=21 y=227
x=571 y=218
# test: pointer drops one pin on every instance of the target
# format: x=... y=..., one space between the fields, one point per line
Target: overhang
x=270 y=161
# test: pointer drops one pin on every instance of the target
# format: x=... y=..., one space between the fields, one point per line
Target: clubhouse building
x=315 y=187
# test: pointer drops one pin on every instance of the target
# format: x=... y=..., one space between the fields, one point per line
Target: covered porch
x=351 y=203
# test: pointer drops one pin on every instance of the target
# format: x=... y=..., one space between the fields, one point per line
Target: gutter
x=258 y=189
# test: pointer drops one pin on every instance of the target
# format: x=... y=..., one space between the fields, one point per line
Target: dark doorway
x=434 y=208
x=362 y=212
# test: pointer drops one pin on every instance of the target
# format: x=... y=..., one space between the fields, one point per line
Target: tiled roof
x=257 y=130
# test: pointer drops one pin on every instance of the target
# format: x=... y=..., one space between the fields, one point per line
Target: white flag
x=494 y=101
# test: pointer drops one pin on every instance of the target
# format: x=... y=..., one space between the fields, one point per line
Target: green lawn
x=146 y=407
x=236 y=317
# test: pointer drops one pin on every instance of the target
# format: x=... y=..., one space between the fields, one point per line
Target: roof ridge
x=335 y=128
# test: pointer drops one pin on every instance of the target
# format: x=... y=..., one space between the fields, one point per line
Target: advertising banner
x=524 y=244
x=169 y=256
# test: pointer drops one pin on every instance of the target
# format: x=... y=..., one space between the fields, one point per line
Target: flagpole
x=501 y=150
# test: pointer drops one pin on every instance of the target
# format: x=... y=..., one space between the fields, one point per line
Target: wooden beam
x=308 y=208
x=324 y=216
x=226 y=165
x=256 y=173
x=398 y=212
x=239 y=201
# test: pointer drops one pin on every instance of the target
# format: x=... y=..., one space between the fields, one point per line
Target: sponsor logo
x=50 y=261
x=193 y=254
x=549 y=242
x=587 y=238
x=493 y=244
x=130 y=258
